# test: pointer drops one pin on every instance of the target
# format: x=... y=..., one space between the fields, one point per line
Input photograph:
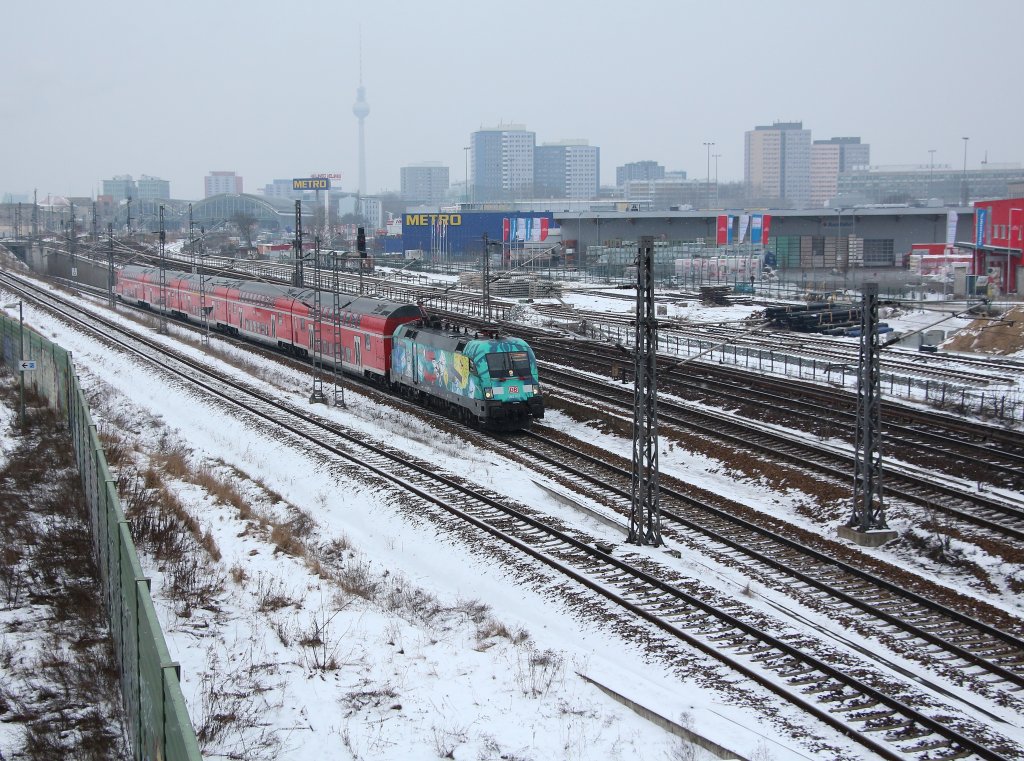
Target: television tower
x=361 y=109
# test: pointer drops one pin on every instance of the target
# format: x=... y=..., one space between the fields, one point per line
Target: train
x=482 y=378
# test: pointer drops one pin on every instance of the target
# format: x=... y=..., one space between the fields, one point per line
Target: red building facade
x=999 y=242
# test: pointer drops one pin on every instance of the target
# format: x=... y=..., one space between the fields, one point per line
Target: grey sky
x=178 y=89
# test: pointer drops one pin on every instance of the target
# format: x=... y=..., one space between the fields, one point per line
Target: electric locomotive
x=484 y=378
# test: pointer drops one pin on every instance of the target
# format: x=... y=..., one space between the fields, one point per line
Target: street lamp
x=21 y=356
x=931 y=171
x=963 y=190
x=716 y=156
x=709 y=146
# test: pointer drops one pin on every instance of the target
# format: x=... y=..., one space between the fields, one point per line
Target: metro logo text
x=429 y=220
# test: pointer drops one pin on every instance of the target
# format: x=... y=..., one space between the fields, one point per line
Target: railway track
x=693 y=337
x=888 y=715
x=1000 y=518
x=913 y=623
x=977 y=452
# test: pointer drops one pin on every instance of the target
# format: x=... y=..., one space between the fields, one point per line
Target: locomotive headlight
x=488 y=394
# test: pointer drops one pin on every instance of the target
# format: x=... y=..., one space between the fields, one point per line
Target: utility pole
x=645 y=516
x=111 y=301
x=163 y=274
x=707 y=204
x=931 y=171
x=866 y=524
x=339 y=388
x=361 y=250
x=317 y=396
x=197 y=269
x=486 y=286
x=71 y=240
x=298 y=276
x=965 y=194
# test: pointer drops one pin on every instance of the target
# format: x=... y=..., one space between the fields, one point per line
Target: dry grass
x=59 y=695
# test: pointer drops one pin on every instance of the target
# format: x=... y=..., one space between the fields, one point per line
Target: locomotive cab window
x=513 y=364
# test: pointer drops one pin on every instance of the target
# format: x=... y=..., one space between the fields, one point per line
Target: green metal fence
x=157 y=720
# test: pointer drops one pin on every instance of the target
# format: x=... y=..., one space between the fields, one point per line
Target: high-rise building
x=121 y=188
x=502 y=163
x=425 y=183
x=645 y=171
x=777 y=164
x=566 y=169
x=153 y=188
x=831 y=157
x=222 y=182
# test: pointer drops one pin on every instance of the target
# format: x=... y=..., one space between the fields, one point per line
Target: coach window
x=366 y=342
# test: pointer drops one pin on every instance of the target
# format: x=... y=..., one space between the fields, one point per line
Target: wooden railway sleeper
x=911 y=732
x=840 y=697
x=889 y=726
x=816 y=678
x=862 y=705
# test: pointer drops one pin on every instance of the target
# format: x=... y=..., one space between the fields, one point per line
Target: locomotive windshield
x=512 y=364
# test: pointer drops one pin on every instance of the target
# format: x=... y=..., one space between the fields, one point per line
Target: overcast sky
x=265 y=89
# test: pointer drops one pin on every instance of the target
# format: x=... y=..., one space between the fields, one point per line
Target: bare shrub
x=489 y=629
x=173 y=461
x=357 y=700
x=286 y=541
x=238 y=574
x=271 y=594
x=319 y=644
x=447 y=740
x=412 y=602
x=358 y=579
x=537 y=671
x=231 y=712
x=223 y=492
x=194 y=584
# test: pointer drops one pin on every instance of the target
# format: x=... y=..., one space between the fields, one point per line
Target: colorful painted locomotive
x=483 y=379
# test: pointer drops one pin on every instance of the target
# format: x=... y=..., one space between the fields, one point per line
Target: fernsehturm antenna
x=361 y=109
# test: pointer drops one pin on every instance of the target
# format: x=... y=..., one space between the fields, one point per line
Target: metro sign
x=311 y=183
x=27 y=364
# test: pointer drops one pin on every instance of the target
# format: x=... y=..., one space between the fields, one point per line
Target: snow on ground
x=404 y=688
x=421 y=671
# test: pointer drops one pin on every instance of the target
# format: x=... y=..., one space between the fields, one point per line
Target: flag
x=722 y=228
x=951 y=219
x=544 y=222
x=520 y=228
x=728 y=230
x=742 y=232
x=755 y=228
x=505 y=230
x=980 y=220
x=766 y=224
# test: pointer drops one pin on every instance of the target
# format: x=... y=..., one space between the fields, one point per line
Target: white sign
x=27 y=364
